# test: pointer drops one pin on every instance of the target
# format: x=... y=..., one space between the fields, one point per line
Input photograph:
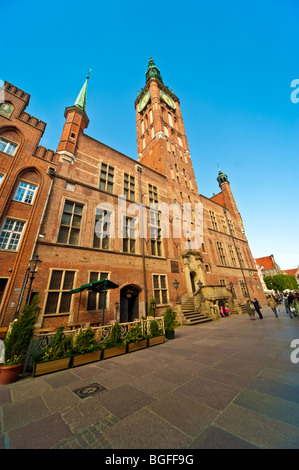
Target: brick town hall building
x=70 y=206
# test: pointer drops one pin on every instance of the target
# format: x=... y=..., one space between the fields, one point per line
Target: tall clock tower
x=161 y=138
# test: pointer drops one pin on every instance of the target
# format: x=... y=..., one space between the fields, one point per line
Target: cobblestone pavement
x=227 y=384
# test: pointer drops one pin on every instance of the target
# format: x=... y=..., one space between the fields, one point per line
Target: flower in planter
x=15 y=360
x=60 y=347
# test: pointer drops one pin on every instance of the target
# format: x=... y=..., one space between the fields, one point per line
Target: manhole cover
x=89 y=390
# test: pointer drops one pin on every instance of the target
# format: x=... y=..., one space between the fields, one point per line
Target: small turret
x=153 y=71
x=222 y=178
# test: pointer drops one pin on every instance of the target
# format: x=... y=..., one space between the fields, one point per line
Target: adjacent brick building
x=95 y=202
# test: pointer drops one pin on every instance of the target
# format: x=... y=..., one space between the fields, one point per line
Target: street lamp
x=200 y=284
x=231 y=285
x=34 y=264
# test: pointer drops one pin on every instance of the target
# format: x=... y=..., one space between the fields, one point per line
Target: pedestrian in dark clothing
x=257 y=307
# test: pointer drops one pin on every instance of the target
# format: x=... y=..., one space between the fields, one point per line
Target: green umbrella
x=96 y=286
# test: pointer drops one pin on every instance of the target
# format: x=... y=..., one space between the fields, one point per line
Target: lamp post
x=34 y=264
x=154 y=306
x=200 y=284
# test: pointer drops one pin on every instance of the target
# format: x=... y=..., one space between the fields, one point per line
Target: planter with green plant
x=151 y=308
x=85 y=348
x=17 y=341
x=56 y=357
x=170 y=323
x=114 y=346
x=135 y=339
x=155 y=334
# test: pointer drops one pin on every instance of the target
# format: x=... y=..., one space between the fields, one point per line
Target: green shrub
x=18 y=338
x=85 y=342
x=154 y=328
x=170 y=322
x=134 y=335
x=114 y=338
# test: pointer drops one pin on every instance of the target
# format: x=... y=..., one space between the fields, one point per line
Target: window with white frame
x=7 y=146
x=25 y=192
x=160 y=288
x=129 y=235
x=1 y=177
x=11 y=233
x=58 y=295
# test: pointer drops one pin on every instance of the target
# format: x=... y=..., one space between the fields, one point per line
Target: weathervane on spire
x=87 y=76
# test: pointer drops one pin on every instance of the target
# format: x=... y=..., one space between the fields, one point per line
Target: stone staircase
x=191 y=317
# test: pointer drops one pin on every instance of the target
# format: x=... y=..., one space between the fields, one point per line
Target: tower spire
x=81 y=98
x=152 y=71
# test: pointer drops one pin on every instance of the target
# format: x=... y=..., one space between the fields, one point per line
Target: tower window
x=73 y=135
x=106 y=178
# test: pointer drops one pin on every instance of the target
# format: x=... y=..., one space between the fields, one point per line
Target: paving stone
x=285 y=391
x=240 y=366
x=59 y=399
x=5 y=395
x=145 y=430
x=185 y=414
x=124 y=400
x=23 y=412
x=59 y=379
x=156 y=388
x=208 y=392
x=30 y=389
x=173 y=375
x=41 y=434
x=275 y=408
x=282 y=376
x=258 y=429
x=234 y=380
x=215 y=438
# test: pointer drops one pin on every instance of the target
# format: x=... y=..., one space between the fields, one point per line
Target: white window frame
x=11 y=232
x=160 y=289
x=29 y=188
x=9 y=143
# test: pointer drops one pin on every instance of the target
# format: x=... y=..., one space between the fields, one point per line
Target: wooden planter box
x=139 y=345
x=86 y=358
x=115 y=351
x=41 y=368
x=156 y=340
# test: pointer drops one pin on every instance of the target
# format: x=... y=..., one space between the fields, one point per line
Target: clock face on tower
x=168 y=100
x=143 y=102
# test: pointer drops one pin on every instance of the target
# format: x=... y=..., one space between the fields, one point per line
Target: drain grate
x=89 y=390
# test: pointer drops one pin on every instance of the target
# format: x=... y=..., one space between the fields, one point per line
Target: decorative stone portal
x=193 y=270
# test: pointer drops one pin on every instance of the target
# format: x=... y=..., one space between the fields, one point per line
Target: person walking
x=273 y=305
x=250 y=309
x=257 y=307
x=288 y=308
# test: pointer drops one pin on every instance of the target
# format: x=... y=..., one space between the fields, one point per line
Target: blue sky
x=230 y=63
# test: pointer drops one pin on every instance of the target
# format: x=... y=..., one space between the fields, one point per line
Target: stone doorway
x=129 y=303
x=192 y=279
